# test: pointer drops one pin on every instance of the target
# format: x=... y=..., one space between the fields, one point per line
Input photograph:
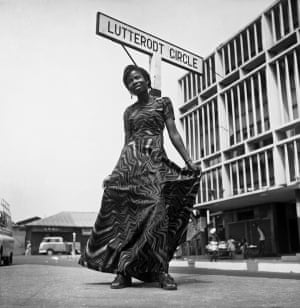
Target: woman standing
x=147 y=199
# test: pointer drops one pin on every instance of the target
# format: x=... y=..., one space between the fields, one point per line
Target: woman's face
x=136 y=83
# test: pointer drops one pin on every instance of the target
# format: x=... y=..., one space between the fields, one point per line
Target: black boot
x=166 y=281
x=121 y=281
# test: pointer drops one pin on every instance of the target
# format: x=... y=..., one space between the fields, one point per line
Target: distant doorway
x=287 y=228
x=294 y=237
x=281 y=228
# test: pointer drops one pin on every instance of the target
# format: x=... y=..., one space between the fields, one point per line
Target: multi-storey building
x=241 y=120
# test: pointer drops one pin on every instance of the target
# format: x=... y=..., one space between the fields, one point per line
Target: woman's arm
x=179 y=145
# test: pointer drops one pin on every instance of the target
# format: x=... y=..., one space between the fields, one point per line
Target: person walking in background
x=28 y=249
x=244 y=248
x=213 y=244
x=261 y=241
x=147 y=198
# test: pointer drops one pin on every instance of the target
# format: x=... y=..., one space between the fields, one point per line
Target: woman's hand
x=193 y=167
x=105 y=181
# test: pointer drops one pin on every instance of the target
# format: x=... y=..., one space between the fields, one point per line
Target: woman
x=147 y=199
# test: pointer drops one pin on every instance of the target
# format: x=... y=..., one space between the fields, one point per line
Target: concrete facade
x=241 y=120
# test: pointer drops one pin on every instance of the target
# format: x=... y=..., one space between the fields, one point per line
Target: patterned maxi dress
x=146 y=203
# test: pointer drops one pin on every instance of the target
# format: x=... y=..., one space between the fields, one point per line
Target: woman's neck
x=143 y=98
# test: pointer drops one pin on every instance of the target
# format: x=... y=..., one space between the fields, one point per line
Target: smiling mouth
x=137 y=86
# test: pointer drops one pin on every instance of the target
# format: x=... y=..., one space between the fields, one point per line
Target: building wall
x=241 y=118
x=19 y=234
x=242 y=115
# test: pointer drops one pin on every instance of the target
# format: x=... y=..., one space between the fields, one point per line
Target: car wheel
x=50 y=252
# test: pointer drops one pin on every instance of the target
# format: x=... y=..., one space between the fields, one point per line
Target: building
x=62 y=224
x=19 y=234
x=241 y=119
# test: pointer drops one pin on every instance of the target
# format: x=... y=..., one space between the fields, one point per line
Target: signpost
x=158 y=49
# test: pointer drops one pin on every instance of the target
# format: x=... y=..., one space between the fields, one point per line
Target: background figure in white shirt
x=261 y=241
x=28 y=249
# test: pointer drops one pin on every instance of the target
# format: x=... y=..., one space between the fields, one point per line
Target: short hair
x=129 y=68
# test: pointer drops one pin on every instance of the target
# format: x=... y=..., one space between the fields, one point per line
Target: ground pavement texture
x=30 y=285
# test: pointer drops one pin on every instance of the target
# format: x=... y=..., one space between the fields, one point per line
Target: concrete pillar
x=155 y=73
x=203 y=226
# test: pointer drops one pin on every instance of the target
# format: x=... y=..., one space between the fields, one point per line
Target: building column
x=203 y=227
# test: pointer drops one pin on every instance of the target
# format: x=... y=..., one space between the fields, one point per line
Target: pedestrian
x=28 y=249
x=231 y=247
x=244 y=248
x=213 y=245
x=147 y=198
x=261 y=240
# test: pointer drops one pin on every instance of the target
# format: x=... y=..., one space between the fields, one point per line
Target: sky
x=61 y=93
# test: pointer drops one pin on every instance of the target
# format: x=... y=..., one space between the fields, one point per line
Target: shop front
x=71 y=226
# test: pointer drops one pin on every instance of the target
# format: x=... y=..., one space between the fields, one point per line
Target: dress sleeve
x=126 y=126
x=168 y=109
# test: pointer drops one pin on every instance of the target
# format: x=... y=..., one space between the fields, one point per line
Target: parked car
x=56 y=244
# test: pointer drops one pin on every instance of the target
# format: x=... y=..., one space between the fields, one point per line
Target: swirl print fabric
x=147 y=202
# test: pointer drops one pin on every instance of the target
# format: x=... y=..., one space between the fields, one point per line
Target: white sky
x=61 y=94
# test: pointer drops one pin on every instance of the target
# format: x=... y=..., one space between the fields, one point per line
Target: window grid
x=252 y=172
x=242 y=48
x=201 y=130
x=283 y=18
x=291 y=153
x=190 y=86
x=209 y=72
x=245 y=105
x=210 y=185
x=287 y=77
x=247 y=108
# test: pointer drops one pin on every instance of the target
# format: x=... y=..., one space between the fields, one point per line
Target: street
x=57 y=281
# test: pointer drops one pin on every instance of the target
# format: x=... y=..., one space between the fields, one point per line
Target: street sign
x=130 y=36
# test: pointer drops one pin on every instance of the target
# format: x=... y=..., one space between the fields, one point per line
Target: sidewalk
x=266 y=265
x=271 y=265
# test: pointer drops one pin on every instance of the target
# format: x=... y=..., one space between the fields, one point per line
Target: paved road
x=67 y=260
x=45 y=285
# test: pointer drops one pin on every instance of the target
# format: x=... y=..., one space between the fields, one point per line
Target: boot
x=121 y=281
x=166 y=281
